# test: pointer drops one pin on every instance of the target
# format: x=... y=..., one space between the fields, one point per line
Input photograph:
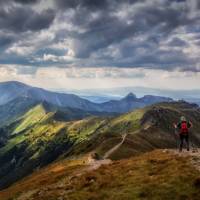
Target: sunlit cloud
x=128 y=42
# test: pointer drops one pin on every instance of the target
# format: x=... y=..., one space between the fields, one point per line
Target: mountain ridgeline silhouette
x=10 y=91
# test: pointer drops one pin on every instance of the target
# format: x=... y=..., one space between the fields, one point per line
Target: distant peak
x=14 y=83
x=130 y=96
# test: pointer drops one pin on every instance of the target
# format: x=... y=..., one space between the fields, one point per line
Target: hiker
x=183 y=127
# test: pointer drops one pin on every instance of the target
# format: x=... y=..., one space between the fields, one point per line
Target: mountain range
x=11 y=91
x=103 y=94
x=52 y=150
x=41 y=135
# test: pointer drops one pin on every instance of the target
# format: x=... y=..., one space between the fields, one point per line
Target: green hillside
x=32 y=117
x=145 y=129
x=39 y=137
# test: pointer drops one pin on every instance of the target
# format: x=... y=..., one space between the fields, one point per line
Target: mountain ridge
x=39 y=138
x=13 y=90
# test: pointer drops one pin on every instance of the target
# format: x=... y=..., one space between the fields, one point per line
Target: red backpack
x=184 y=128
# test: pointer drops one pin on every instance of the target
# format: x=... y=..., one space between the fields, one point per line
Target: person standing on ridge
x=183 y=127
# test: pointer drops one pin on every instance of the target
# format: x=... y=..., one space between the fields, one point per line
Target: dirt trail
x=92 y=164
x=95 y=164
x=194 y=156
x=107 y=154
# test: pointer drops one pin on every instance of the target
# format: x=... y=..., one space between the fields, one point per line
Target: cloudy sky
x=79 y=44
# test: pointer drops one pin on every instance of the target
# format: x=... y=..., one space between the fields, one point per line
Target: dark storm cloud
x=123 y=33
x=87 y=3
x=108 y=28
x=27 y=1
x=5 y=41
x=4 y=2
x=92 y=5
x=154 y=20
x=101 y=33
x=21 y=19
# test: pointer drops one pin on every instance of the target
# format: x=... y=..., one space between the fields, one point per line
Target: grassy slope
x=40 y=141
x=155 y=175
x=147 y=129
x=108 y=132
x=32 y=117
x=102 y=134
x=38 y=127
x=20 y=131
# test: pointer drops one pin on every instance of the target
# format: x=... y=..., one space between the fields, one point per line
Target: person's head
x=182 y=119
